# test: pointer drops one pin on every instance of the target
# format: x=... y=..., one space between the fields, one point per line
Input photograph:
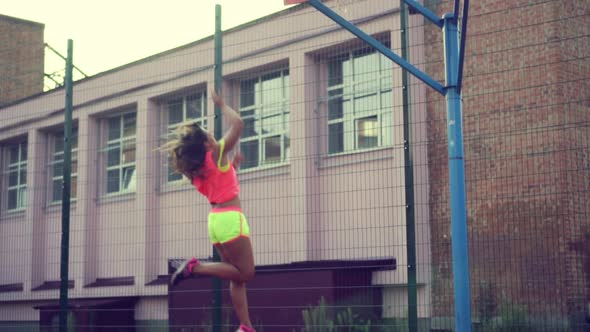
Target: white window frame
x=383 y=113
x=168 y=128
x=52 y=161
x=118 y=143
x=20 y=166
x=281 y=109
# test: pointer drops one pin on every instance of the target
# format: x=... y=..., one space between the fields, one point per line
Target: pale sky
x=112 y=33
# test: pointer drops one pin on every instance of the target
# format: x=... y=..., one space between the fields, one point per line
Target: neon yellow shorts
x=227 y=224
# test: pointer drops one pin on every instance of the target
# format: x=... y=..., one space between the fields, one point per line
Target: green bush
x=485 y=304
x=348 y=321
x=316 y=318
x=511 y=317
x=321 y=318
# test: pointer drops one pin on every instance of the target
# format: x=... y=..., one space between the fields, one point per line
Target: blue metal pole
x=462 y=292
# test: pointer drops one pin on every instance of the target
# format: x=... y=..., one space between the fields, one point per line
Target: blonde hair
x=187 y=149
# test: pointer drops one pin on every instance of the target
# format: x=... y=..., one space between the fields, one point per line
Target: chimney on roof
x=22 y=58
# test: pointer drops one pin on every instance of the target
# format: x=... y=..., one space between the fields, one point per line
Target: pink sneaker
x=183 y=270
x=244 y=328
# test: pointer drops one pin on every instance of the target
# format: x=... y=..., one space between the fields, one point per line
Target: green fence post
x=409 y=181
x=65 y=201
x=218 y=80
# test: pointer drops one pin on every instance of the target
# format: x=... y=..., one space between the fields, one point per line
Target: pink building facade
x=321 y=182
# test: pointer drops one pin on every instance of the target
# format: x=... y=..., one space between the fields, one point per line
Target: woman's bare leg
x=221 y=270
x=239 y=253
x=239 y=300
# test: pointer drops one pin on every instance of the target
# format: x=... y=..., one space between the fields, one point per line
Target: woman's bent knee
x=247 y=275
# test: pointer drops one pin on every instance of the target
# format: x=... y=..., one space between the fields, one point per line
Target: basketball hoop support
x=454 y=50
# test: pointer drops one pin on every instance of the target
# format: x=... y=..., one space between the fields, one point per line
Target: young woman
x=205 y=162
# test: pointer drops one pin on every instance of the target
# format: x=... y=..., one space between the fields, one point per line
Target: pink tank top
x=218 y=184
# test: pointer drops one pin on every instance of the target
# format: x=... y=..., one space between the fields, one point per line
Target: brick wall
x=574 y=36
x=21 y=58
x=526 y=126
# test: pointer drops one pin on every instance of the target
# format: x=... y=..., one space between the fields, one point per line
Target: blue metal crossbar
x=429 y=15
x=377 y=45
